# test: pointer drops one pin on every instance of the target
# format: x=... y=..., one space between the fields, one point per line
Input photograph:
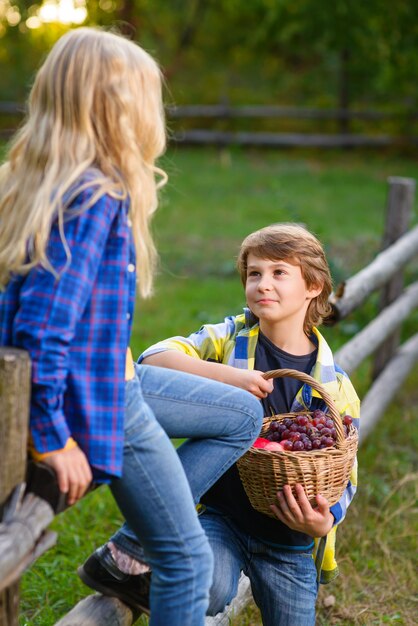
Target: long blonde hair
x=289 y=241
x=96 y=103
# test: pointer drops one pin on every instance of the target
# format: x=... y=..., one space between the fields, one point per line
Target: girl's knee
x=200 y=561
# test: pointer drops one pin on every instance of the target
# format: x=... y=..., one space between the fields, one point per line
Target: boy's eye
x=253 y=273
x=278 y=272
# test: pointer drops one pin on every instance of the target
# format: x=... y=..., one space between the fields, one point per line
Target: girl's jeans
x=157 y=491
x=283 y=582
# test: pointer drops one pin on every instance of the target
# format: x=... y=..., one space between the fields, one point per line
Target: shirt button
x=129 y=221
x=131 y=267
x=128 y=316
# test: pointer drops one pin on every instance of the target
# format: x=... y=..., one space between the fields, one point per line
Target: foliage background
x=334 y=53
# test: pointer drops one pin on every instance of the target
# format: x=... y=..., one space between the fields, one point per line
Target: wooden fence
x=341 y=135
x=24 y=533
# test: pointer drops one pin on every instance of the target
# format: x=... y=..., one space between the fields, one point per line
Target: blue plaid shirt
x=76 y=329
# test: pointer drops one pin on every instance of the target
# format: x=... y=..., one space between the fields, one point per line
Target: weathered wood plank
x=14 y=412
x=371 y=336
x=98 y=610
x=386 y=385
x=22 y=538
x=14 y=418
x=398 y=217
x=386 y=264
x=9 y=606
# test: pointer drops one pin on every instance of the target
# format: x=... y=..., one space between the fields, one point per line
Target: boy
x=287 y=285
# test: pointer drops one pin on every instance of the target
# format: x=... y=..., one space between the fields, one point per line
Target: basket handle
x=305 y=378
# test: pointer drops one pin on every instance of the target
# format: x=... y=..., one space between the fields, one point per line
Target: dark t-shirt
x=227 y=494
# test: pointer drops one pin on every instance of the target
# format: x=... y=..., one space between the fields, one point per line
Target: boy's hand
x=73 y=472
x=298 y=514
x=253 y=381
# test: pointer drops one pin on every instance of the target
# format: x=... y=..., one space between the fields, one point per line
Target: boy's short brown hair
x=293 y=242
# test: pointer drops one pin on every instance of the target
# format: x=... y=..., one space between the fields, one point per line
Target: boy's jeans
x=154 y=494
x=283 y=582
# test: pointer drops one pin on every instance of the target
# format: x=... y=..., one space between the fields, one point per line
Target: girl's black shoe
x=101 y=573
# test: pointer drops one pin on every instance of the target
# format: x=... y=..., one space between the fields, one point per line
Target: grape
x=298 y=445
x=319 y=415
x=313 y=431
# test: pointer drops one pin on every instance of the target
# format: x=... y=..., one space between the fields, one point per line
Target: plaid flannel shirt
x=76 y=328
x=234 y=342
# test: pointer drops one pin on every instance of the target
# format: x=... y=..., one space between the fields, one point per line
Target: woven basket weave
x=326 y=471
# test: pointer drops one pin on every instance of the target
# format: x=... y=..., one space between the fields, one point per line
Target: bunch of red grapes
x=306 y=432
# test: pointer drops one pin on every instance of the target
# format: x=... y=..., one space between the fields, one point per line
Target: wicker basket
x=326 y=471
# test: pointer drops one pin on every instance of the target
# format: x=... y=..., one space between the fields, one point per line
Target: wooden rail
x=25 y=519
x=284 y=140
x=227 y=112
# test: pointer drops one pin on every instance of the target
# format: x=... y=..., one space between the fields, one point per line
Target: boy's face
x=276 y=290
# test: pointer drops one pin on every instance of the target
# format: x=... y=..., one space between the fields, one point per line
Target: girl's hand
x=298 y=514
x=73 y=472
x=252 y=381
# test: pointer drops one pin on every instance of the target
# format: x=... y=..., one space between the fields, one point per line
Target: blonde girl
x=77 y=192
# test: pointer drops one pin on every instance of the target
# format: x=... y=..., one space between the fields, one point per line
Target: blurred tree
x=336 y=52
x=368 y=48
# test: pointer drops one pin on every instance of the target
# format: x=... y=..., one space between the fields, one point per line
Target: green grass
x=213 y=199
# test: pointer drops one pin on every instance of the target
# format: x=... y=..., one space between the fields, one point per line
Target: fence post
x=14 y=418
x=398 y=217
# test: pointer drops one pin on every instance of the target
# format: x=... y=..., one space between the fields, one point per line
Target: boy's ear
x=314 y=291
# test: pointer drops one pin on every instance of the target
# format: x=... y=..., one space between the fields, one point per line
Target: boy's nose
x=264 y=283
